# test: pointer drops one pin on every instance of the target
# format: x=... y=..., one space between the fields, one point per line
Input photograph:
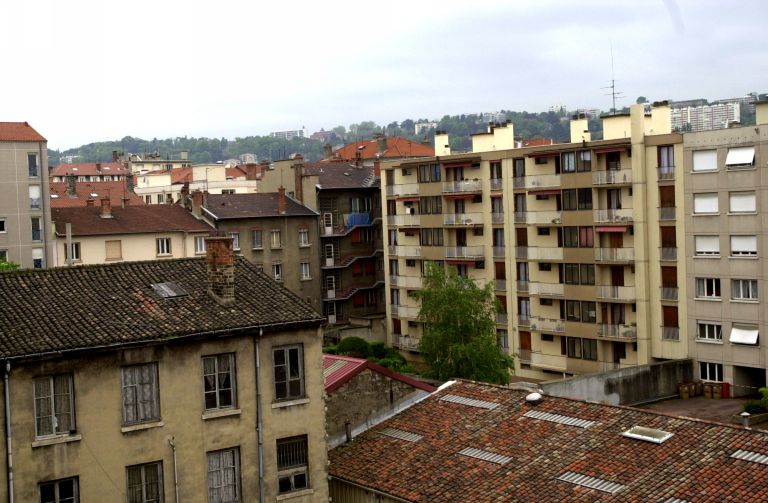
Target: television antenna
x=614 y=93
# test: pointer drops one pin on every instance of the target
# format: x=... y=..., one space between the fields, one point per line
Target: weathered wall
x=625 y=386
x=343 y=492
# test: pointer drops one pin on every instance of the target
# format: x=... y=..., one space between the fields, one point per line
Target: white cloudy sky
x=82 y=71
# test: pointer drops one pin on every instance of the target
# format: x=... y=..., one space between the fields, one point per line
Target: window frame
x=742 y=286
x=706 y=203
x=218 y=389
x=711 y=368
x=275 y=239
x=200 y=250
x=235 y=467
x=715 y=328
x=705 y=159
x=708 y=288
x=305 y=273
x=57 y=498
x=287 y=394
x=257 y=244
x=738 y=253
x=143 y=475
x=106 y=249
x=742 y=194
x=36 y=173
x=277 y=271
x=706 y=253
x=141 y=417
x=163 y=247
x=298 y=462
x=304 y=238
x=52 y=405
x=235 y=236
x=75 y=247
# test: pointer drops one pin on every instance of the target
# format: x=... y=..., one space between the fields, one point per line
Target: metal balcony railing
x=616 y=292
x=551 y=325
x=623 y=215
x=470 y=252
x=405 y=281
x=542 y=181
x=404 y=220
x=524 y=320
x=665 y=173
x=614 y=254
x=499 y=252
x=497 y=184
x=670 y=333
x=623 y=176
x=497 y=218
x=462 y=186
x=667 y=213
x=669 y=293
x=405 y=251
x=547 y=289
x=403 y=189
x=463 y=219
x=627 y=332
x=668 y=253
x=522 y=286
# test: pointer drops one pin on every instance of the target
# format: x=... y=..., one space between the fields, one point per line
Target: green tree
x=8 y=266
x=459 y=338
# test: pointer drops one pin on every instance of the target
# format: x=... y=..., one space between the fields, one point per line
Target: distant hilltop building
x=248 y=159
x=748 y=100
x=424 y=126
x=494 y=117
x=322 y=135
x=590 y=113
x=290 y=134
x=705 y=117
x=557 y=108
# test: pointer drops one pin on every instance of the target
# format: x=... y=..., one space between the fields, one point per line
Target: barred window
x=292 y=472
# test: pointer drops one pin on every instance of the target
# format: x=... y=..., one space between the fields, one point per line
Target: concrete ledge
x=294 y=494
x=142 y=426
x=289 y=403
x=61 y=439
x=214 y=414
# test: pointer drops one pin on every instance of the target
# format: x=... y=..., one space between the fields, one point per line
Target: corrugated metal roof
x=402 y=435
x=469 y=401
x=676 y=500
x=754 y=457
x=485 y=455
x=591 y=482
x=557 y=418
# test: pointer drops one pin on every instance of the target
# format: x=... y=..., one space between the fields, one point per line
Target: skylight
x=648 y=434
x=491 y=457
x=400 y=434
x=557 y=418
x=169 y=290
x=754 y=457
x=469 y=401
x=603 y=485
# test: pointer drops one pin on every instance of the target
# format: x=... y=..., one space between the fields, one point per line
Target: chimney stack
x=197 y=199
x=220 y=261
x=381 y=143
x=98 y=167
x=298 y=173
x=327 y=151
x=70 y=181
x=124 y=201
x=281 y=200
x=90 y=201
x=184 y=154
x=115 y=158
x=377 y=168
x=106 y=208
x=129 y=182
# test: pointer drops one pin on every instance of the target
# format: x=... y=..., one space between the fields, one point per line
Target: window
x=235 y=240
x=148 y=199
x=54 y=405
x=743 y=246
x=707 y=245
x=4 y=255
x=744 y=289
x=2 y=225
x=431 y=205
x=305 y=273
x=705 y=203
x=742 y=202
x=740 y=157
x=542 y=231
x=274 y=239
x=518 y=167
x=571 y=274
x=588 y=311
x=289 y=372
x=145 y=483
x=59 y=491
x=569 y=162
x=705 y=160
x=431 y=237
x=589 y=349
x=34 y=197
x=36 y=233
x=709 y=331
x=75 y=252
x=219 y=381
x=708 y=288
x=571 y=237
x=34 y=168
x=429 y=173
x=256 y=242
x=224 y=476
x=37 y=258
x=160 y=198
x=163 y=246
x=141 y=395
x=569 y=199
x=586 y=237
x=113 y=250
x=587 y=273
x=574 y=347
x=199 y=245
x=666 y=159
x=303 y=237
x=711 y=371
x=584 y=161
x=572 y=310
x=277 y=271
x=227 y=191
x=292 y=472
x=585 y=199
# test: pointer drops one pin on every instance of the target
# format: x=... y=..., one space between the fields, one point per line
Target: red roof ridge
x=362 y=364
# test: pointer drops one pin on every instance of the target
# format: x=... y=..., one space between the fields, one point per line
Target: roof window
x=169 y=290
x=401 y=434
x=753 y=457
x=648 y=434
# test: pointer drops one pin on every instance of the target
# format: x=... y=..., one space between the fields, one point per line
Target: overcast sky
x=82 y=71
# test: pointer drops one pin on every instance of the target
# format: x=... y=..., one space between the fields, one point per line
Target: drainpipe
x=9 y=444
x=259 y=420
x=172 y=442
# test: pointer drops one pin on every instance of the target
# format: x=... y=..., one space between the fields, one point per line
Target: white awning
x=744 y=336
x=740 y=156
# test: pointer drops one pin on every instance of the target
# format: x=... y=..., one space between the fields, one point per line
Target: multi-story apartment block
x=144 y=163
x=579 y=239
x=90 y=172
x=165 y=186
x=705 y=117
x=290 y=134
x=726 y=210
x=25 y=213
x=179 y=380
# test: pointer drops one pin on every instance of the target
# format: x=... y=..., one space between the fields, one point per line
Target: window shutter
x=743 y=202
x=705 y=203
x=705 y=160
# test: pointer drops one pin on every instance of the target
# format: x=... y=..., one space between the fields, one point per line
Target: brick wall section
x=366 y=395
x=221 y=269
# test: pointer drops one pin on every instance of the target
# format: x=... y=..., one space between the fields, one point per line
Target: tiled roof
x=19 y=131
x=551 y=461
x=342 y=175
x=129 y=220
x=114 y=190
x=182 y=175
x=90 y=169
x=73 y=308
x=397 y=147
x=338 y=370
x=231 y=206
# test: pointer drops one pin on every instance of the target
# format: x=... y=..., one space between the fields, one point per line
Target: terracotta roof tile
x=695 y=464
x=129 y=220
x=19 y=131
x=397 y=147
x=230 y=206
x=342 y=175
x=90 y=169
x=114 y=190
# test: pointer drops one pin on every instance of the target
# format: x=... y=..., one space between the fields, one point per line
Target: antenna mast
x=614 y=93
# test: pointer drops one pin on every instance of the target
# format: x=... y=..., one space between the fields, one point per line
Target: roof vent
x=400 y=434
x=469 y=401
x=754 y=457
x=169 y=290
x=533 y=398
x=557 y=418
x=491 y=457
x=591 y=482
x=648 y=434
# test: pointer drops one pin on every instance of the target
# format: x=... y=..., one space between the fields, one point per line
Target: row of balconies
x=609 y=292
x=622 y=215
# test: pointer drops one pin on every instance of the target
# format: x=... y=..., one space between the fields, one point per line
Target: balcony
x=462 y=219
x=668 y=253
x=524 y=320
x=665 y=173
x=497 y=218
x=405 y=311
x=669 y=293
x=667 y=214
x=614 y=254
x=497 y=184
x=610 y=292
x=501 y=318
x=549 y=362
x=461 y=186
x=623 y=215
x=623 y=332
x=405 y=251
x=670 y=333
x=522 y=285
x=404 y=220
x=620 y=177
x=544 y=253
x=406 y=342
x=538 y=217
x=499 y=252
x=403 y=189
x=608 y=366
x=518 y=182
x=405 y=281
x=500 y=284
x=549 y=325
x=542 y=181
x=547 y=289
x=468 y=252
x=524 y=355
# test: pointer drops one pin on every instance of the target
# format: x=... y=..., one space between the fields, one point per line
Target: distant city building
x=494 y=117
x=248 y=159
x=748 y=100
x=591 y=113
x=420 y=127
x=706 y=117
x=90 y=172
x=557 y=108
x=322 y=135
x=688 y=103
x=290 y=134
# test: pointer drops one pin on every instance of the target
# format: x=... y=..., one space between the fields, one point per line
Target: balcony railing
x=499 y=252
x=542 y=181
x=623 y=215
x=497 y=184
x=668 y=253
x=497 y=218
x=404 y=220
x=670 y=333
x=544 y=253
x=462 y=186
x=522 y=285
x=547 y=289
x=616 y=292
x=607 y=366
x=405 y=311
x=500 y=284
x=501 y=318
x=463 y=219
x=518 y=182
x=524 y=320
x=521 y=252
x=403 y=189
x=550 y=325
x=470 y=252
x=524 y=355
x=620 y=177
x=614 y=254
x=538 y=217
x=626 y=332
x=665 y=172
x=405 y=251
x=407 y=342
x=667 y=213
x=405 y=281
x=36 y=235
x=669 y=293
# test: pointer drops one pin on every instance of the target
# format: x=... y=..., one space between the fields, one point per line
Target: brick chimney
x=90 y=201
x=129 y=182
x=70 y=181
x=98 y=167
x=281 y=200
x=327 y=151
x=115 y=157
x=106 y=208
x=220 y=260
x=252 y=171
x=124 y=201
x=298 y=173
x=381 y=143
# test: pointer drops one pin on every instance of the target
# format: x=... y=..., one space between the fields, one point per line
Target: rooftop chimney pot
x=106 y=208
x=281 y=200
x=220 y=263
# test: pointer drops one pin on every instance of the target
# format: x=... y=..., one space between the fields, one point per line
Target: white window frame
x=257 y=244
x=704 y=160
x=141 y=471
x=705 y=203
x=303 y=238
x=709 y=331
x=292 y=464
x=744 y=290
x=709 y=249
x=217 y=474
x=742 y=202
x=743 y=246
x=275 y=239
x=277 y=271
x=235 y=240
x=708 y=288
x=223 y=367
x=35 y=192
x=163 y=247
x=65 y=403
x=287 y=374
x=305 y=271
x=710 y=371
x=136 y=411
x=75 y=252
x=36 y=173
x=200 y=245
x=3 y=226
x=4 y=255
x=57 y=489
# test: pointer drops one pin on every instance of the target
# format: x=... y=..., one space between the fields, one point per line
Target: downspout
x=9 y=444
x=172 y=442
x=259 y=420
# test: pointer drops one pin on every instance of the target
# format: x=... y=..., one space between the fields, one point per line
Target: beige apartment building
x=581 y=241
x=192 y=380
x=25 y=213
